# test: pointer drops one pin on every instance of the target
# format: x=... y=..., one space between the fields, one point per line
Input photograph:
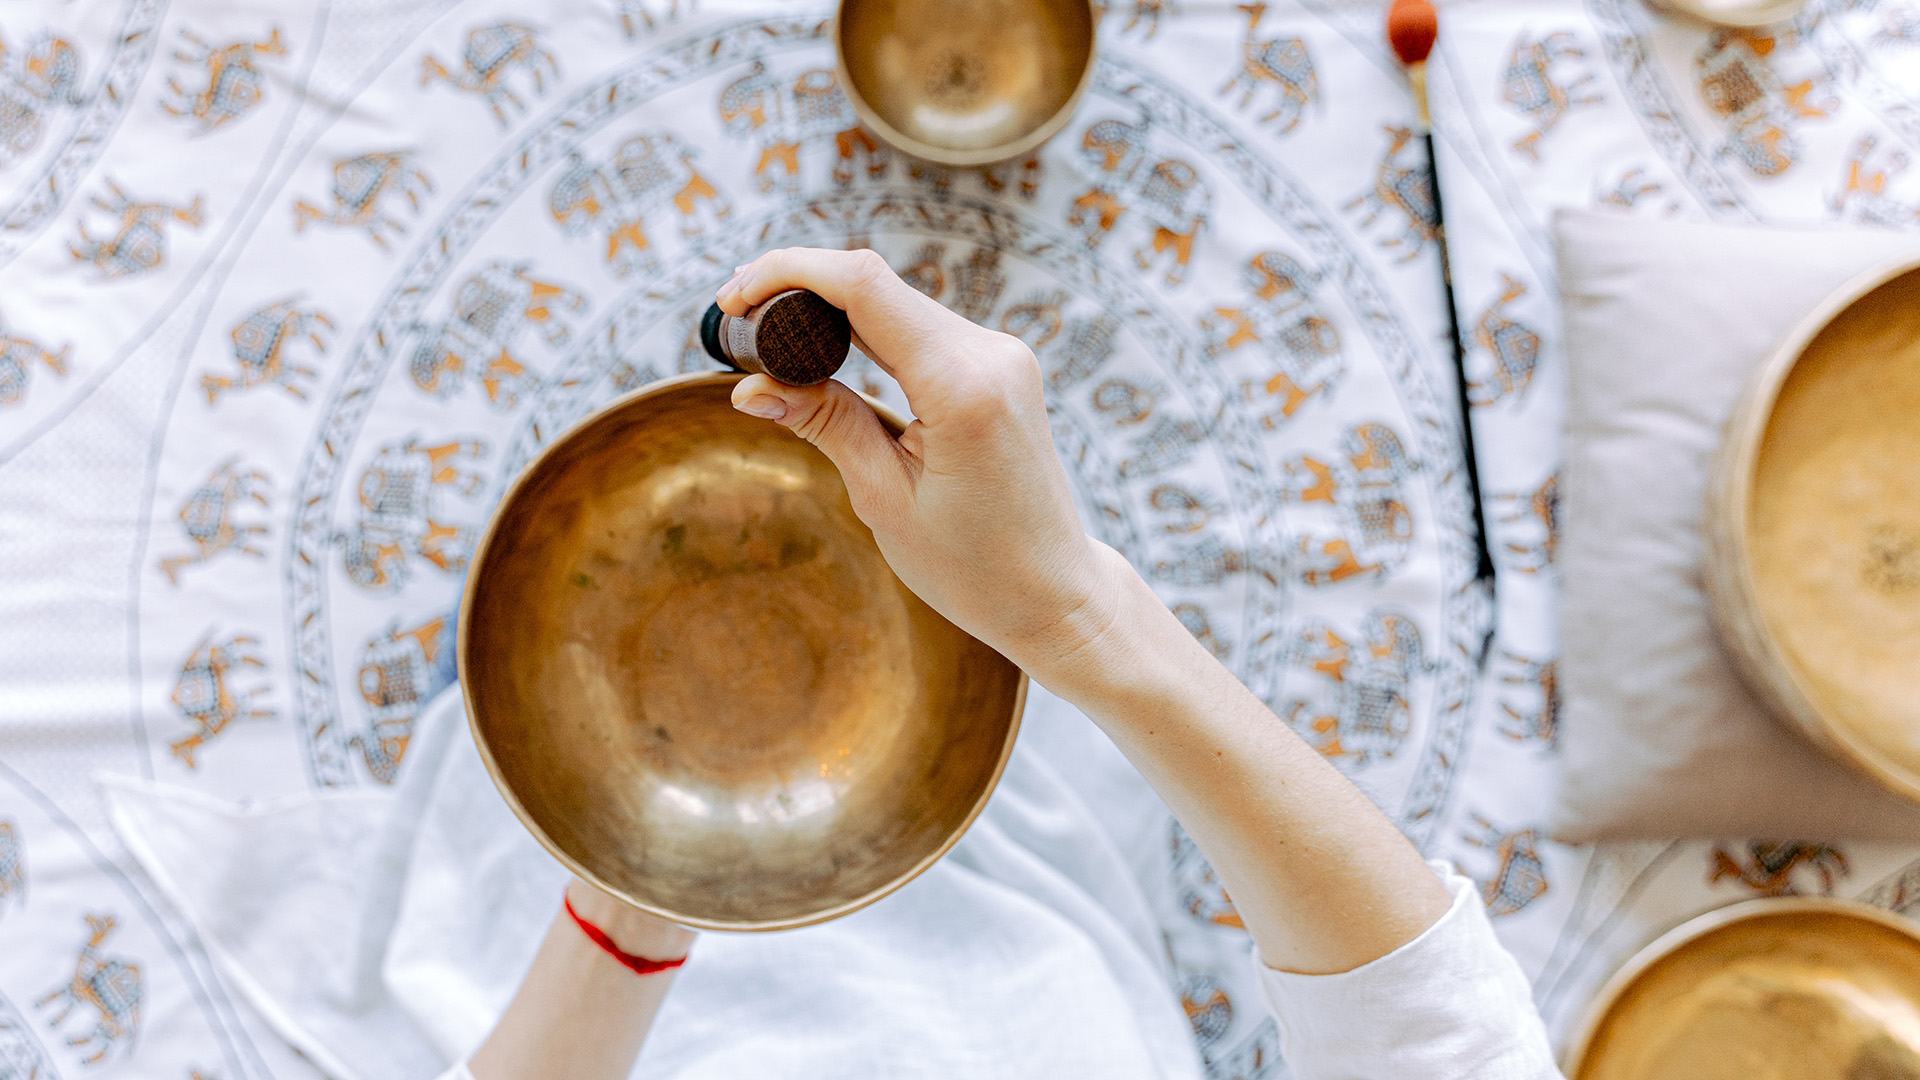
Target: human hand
x=970 y=505
x=971 y=508
x=632 y=930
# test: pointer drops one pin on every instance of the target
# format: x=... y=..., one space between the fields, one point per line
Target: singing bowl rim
x=941 y=155
x=1749 y=17
x=1601 y=1005
x=661 y=387
x=1750 y=637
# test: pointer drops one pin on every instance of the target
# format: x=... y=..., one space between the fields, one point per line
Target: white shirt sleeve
x=458 y=1072
x=1451 y=1004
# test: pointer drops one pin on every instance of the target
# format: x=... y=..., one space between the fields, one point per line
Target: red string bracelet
x=639 y=965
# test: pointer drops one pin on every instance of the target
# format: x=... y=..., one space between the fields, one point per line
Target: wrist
x=1139 y=661
x=632 y=930
x=1082 y=647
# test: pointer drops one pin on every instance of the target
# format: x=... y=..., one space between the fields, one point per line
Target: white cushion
x=1665 y=320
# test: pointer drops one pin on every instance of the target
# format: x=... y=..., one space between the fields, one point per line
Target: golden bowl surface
x=696 y=680
x=1813 y=527
x=1797 y=988
x=965 y=82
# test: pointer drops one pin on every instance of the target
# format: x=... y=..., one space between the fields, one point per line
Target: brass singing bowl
x=697 y=682
x=964 y=82
x=1812 y=523
x=1796 y=988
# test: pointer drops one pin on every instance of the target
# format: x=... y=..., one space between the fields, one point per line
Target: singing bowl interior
x=702 y=688
x=1814 y=527
x=965 y=82
x=1780 y=989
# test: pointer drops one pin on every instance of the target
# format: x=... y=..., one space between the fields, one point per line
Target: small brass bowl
x=964 y=82
x=698 y=683
x=1789 y=988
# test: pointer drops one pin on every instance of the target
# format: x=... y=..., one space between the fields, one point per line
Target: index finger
x=899 y=321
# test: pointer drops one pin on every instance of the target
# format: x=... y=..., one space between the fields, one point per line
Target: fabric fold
x=1030 y=951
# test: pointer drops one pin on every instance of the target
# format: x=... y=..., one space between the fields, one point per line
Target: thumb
x=842 y=426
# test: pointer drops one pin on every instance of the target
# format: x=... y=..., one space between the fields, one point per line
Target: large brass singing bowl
x=1794 y=988
x=1813 y=527
x=965 y=82
x=697 y=682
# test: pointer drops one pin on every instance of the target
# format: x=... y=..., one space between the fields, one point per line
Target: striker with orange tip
x=1412 y=28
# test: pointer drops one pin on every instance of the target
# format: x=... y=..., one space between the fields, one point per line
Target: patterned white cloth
x=287 y=293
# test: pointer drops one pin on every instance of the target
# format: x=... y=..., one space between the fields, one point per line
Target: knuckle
x=1017 y=357
x=830 y=416
x=818 y=419
x=1005 y=376
x=870 y=270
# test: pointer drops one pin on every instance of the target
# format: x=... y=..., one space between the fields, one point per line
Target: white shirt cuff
x=1451 y=1003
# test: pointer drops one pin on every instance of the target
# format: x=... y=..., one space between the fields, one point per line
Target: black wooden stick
x=1483 y=569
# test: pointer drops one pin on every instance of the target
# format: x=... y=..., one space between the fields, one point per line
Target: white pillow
x=1665 y=320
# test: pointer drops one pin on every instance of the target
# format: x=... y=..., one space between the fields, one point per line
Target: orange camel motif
x=1281 y=64
x=262 y=344
x=139 y=241
x=234 y=82
x=1403 y=189
x=208 y=517
x=364 y=190
x=491 y=57
x=111 y=987
x=18 y=357
x=1519 y=873
x=207 y=695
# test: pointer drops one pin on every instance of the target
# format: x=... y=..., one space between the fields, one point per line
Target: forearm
x=974 y=512
x=1320 y=877
x=581 y=1014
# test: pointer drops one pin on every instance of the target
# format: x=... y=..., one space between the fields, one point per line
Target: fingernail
x=765 y=406
x=731 y=282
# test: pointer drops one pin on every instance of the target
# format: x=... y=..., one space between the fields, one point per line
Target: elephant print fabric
x=288 y=299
